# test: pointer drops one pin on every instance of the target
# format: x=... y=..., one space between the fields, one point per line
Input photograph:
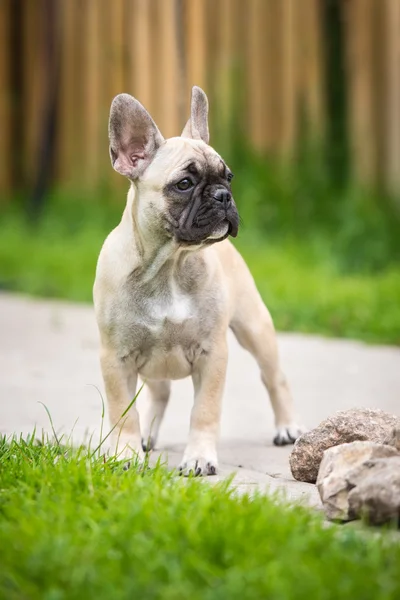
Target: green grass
x=74 y=527
x=306 y=291
x=307 y=283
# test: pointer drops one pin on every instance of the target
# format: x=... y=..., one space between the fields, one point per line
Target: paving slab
x=49 y=354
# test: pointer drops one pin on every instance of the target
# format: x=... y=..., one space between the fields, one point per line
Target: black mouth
x=214 y=240
x=192 y=237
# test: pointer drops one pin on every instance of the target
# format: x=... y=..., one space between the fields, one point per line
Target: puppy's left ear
x=134 y=137
x=197 y=126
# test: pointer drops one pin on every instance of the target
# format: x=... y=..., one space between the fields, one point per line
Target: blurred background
x=304 y=105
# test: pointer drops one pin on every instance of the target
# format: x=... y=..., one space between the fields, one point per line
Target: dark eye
x=229 y=177
x=184 y=184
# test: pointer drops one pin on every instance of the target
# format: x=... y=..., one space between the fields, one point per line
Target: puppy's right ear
x=134 y=137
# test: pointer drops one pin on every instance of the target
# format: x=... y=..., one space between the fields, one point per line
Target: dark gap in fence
x=50 y=63
x=18 y=175
x=337 y=146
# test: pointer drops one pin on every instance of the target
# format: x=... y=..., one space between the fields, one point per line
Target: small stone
x=377 y=493
x=356 y=424
x=342 y=468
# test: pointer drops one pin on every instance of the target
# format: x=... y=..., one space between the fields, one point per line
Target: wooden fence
x=62 y=61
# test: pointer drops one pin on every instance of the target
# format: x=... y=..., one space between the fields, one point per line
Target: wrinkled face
x=198 y=202
x=183 y=185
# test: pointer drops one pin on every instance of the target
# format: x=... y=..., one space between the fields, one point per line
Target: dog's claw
x=287 y=435
x=198 y=468
x=281 y=440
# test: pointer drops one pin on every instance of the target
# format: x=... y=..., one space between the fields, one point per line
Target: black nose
x=223 y=196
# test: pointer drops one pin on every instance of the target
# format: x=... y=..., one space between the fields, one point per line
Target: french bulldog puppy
x=169 y=284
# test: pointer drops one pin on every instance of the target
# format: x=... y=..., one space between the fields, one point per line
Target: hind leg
x=153 y=411
x=254 y=329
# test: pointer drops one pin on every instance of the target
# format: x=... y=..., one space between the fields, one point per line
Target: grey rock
x=394 y=438
x=377 y=493
x=355 y=424
x=342 y=469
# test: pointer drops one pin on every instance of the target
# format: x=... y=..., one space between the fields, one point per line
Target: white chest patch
x=173 y=308
x=176 y=310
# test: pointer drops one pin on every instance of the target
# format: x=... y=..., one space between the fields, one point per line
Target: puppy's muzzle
x=210 y=216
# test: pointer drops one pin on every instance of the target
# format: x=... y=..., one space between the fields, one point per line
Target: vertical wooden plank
x=33 y=84
x=392 y=111
x=379 y=75
x=227 y=47
x=73 y=130
x=359 y=38
x=255 y=74
x=274 y=75
x=156 y=107
x=212 y=22
x=112 y=79
x=223 y=83
x=91 y=66
x=303 y=57
x=117 y=28
x=315 y=73
x=115 y=69
x=241 y=33
x=5 y=100
x=129 y=34
x=196 y=43
x=179 y=9
x=168 y=72
x=288 y=32
x=140 y=48
x=309 y=67
x=66 y=118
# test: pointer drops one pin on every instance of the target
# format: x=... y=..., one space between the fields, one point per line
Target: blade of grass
x=51 y=422
x=69 y=439
x=116 y=424
x=103 y=411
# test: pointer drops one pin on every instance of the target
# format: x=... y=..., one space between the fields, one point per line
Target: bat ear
x=197 y=126
x=134 y=137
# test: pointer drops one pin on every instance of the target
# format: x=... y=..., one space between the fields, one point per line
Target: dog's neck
x=156 y=249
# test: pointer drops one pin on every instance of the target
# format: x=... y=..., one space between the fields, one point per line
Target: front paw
x=288 y=434
x=127 y=448
x=148 y=444
x=199 y=466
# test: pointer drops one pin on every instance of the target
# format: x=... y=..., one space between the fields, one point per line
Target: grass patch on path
x=73 y=527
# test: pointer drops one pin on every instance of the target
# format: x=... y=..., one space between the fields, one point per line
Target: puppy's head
x=183 y=185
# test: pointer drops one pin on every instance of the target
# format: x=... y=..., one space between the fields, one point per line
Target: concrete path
x=49 y=353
